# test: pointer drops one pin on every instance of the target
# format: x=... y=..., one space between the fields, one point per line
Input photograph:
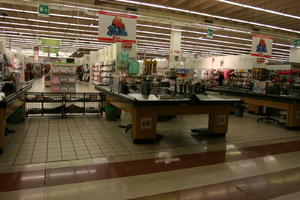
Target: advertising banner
x=50 y=42
x=261 y=46
x=115 y=27
x=36 y=54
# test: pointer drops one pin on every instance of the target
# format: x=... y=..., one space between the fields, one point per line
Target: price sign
x=221 y=119
x=146 y=123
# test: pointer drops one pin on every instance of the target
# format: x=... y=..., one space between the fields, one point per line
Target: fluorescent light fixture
x=151 y=43
x=209 y=15
x=158 y=27
x=260 y=9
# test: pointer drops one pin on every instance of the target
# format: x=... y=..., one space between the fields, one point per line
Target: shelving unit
x=64 y=104
x=103 y=73
x=240 y=79
x=63 y=78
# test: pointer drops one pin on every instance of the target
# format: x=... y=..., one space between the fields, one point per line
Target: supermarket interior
x=149 y=100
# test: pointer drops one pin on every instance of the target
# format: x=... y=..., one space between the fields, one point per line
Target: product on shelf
x=102 y=73
x=238 y=79
x=63 y=78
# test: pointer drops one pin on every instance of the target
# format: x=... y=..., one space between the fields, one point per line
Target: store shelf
x=63 y=78
x=63 y=104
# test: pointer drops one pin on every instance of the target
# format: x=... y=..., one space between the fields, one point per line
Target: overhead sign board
x=50 y=42
x=261 y=46
x=210 y=33
x=43 y=10
x=296 y=43
x=116 y=27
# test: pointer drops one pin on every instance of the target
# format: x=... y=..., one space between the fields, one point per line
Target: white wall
x=2 y=45
x=278 y=67
x=231 y=62
x=295 y=55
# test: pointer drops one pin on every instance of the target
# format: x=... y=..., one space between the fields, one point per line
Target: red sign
x=126 y=45
x=175 y=52
x=260 y=60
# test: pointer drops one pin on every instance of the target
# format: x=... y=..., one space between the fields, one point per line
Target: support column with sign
x=175 y=49
x=295 y=51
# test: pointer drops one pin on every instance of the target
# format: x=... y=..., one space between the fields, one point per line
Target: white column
x=295 y=55
x=2 y=45
x=175 y=49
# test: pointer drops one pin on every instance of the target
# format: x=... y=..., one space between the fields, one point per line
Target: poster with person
x=117 y=27
x=261 y=46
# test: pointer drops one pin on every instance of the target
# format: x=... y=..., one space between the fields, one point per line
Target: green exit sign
x=44 y=10
x=210 y=33
x=297 y=42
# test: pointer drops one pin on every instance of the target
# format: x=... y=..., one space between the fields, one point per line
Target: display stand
x=103 y=73
x=47 y=80
x=63 y=78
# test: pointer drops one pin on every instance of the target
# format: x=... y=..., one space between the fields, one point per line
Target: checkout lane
x=284 y=102
x=146 y=108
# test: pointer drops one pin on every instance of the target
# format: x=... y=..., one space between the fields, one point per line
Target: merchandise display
x=103 y=73
x=63 y=78
x=47 y=75
x=48 y=104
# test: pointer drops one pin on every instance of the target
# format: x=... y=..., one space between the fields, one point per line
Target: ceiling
x=76 y=24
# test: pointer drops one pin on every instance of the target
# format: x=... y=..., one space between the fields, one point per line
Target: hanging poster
x=261 y=46
x=50 y=42
x=116 y=27
x=35 y=54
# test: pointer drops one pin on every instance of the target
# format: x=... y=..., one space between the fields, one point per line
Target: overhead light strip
x=167 y=45
x=240 y=49
x=260 y=9
x=150 y=26
x=208 y=15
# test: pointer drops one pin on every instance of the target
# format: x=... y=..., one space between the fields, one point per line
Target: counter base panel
x=144 y=118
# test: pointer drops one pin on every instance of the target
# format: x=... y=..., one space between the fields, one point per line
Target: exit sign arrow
x=43 y=10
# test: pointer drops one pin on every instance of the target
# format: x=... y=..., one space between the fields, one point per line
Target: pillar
x=175 y=49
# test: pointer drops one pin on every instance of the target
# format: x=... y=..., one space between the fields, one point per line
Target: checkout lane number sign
x=146 y=123
x=221 y=119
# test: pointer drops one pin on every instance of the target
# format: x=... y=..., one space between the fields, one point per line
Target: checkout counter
x=8 y=106
x=284 y=102
x=146 y=108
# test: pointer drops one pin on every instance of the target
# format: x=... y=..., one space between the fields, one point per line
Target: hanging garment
x=133 y=67
x=123 y=56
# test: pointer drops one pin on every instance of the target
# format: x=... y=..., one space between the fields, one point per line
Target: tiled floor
x=92 y=158
x=50 y=140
